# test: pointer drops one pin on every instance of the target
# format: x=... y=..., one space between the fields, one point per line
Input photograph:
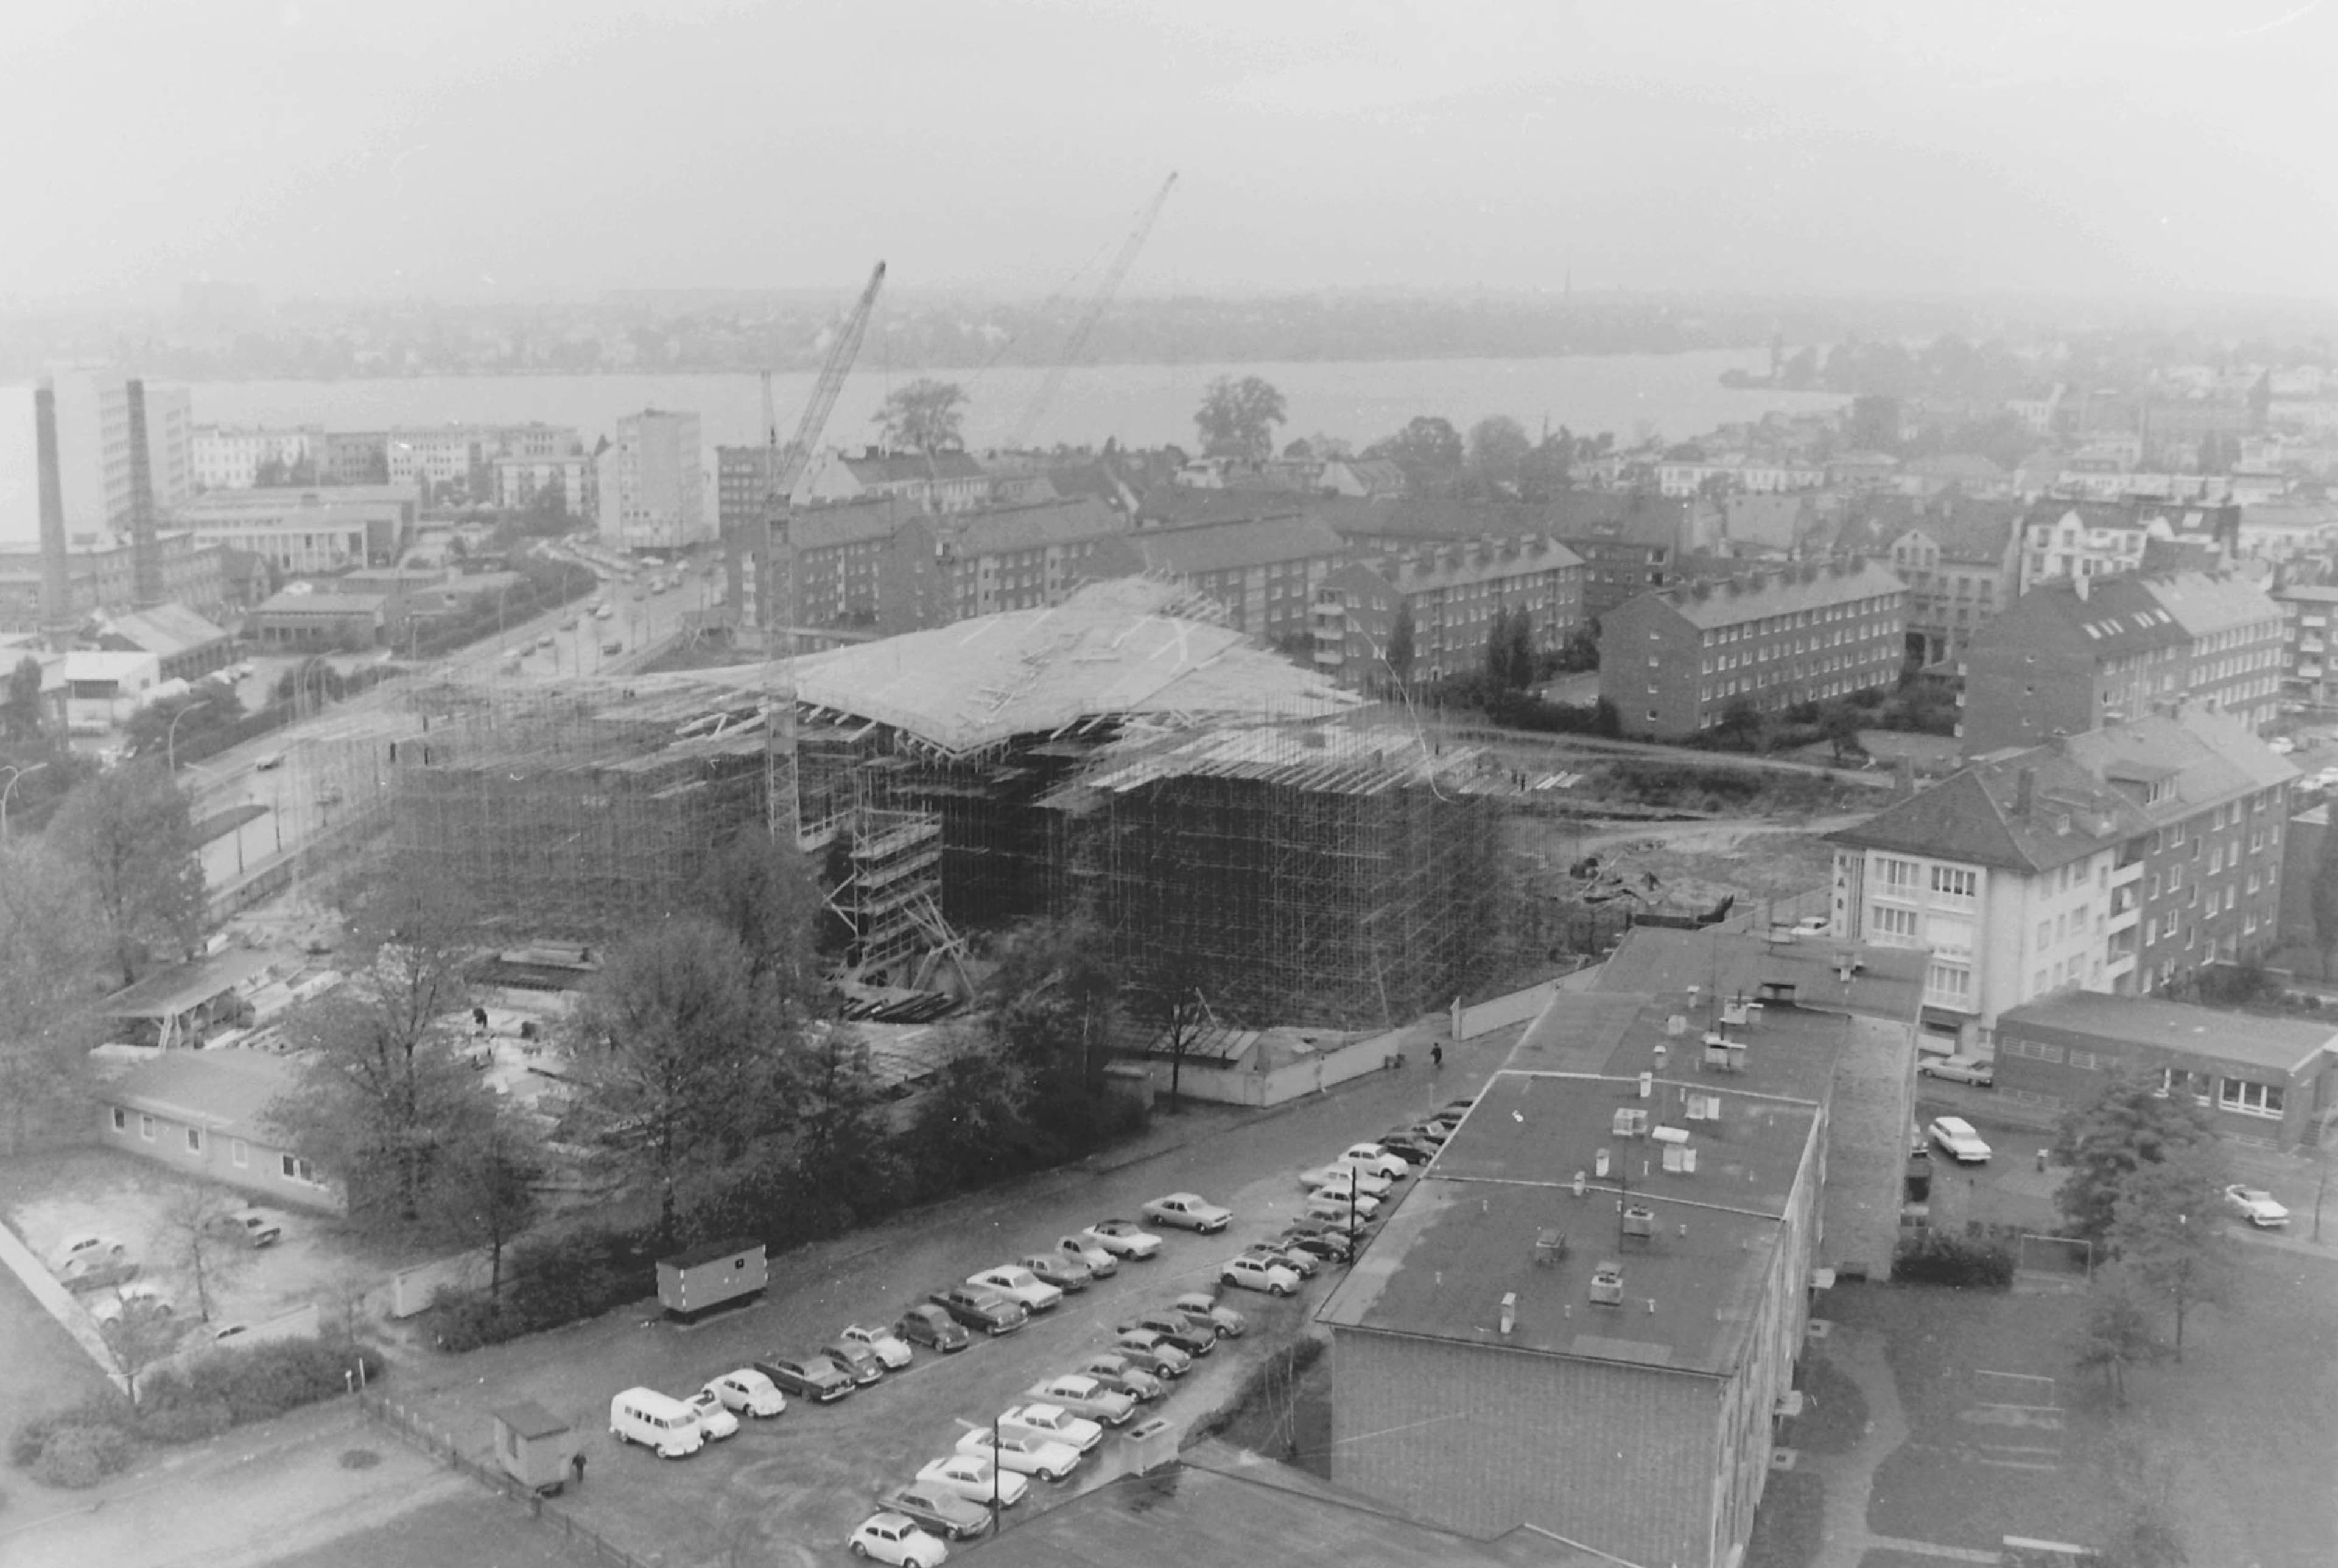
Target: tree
x=923 y=416
x=971 y=1129
x=1509 y=651
x=1237 y=418
x=141 y=1334
x=483 y=1185
x=1168 y=1000
x=2117 y=1333
x=677 y=1056
x=1740 y=724
x=53 y=948
x=1052 y=1000
x=200 y=1240
x=1498 y=448
x=763 y=892
x=129 y=834
x=844 y=1152
x=19 y=714
x=148 y=733
x=1545 y=471
x=387 y=1091
x=1399 y=654
x=1839 y=724
x=2168 y=1231
x=1429 y=449
x=2128 y=1125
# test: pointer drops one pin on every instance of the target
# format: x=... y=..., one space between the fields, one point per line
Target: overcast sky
x=466 y=146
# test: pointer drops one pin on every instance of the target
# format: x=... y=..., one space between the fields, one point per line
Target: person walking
x=1436 y=1055
x=577 y=1465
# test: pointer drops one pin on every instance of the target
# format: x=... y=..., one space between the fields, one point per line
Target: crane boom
x=1074 y=345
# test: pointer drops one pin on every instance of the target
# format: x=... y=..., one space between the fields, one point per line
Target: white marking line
x=2025 y=1377
x=2015 y=1464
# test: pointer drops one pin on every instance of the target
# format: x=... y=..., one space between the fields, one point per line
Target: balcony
x=2128 y=873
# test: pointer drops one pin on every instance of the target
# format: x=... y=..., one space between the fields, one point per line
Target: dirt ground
x=1784 y=869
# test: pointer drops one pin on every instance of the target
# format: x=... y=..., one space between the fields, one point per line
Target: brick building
x=1673 y=662
x=2267 y=1081
x=1264 y=572
x=1959 y=563
x=103 y=580
x=1452 y=596
x=938 y=481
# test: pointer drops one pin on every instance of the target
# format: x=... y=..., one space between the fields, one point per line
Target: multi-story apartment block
x=946 y=567
x=1265 y=573
x=94 y=450
x=232 y=456
x=1451 y=596
x=2309 y=670
x=652 y=484
x=1555 y=1273
x=571 y=479
x=2088 y=650
x=2119 y=860
x=939 y=481
x=1959 y=565
x=356 y=457
x=103 y=580
x=465 y=454
x=1739 y=473
x=2069 y=539
x=2066 y=657
x=308 y=529
x=1674 y=663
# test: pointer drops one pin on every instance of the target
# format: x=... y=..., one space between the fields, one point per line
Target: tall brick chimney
x=56 y=578
x=145 y=549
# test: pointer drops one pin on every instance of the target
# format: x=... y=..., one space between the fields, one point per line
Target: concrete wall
x=1246 y=1086
x=1501 y=1012
x=409 y=1290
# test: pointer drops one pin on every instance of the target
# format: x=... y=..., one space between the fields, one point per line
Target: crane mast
x=1077 y=344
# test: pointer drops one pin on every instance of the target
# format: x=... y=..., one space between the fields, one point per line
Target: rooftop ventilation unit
x=1679 y=1159
x=1608 y=1285
x=1630 y=1121
x=1550 y=1249
x=1676 y=1025
x=1640 y=1221
x=1509 y=1312
x=1670 y=1134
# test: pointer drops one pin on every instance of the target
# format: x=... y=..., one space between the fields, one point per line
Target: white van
x=653 y=1420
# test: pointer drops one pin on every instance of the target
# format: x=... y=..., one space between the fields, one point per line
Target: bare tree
x=483 y=1191
x=52 y=953
x=142 y=1334
x=200 y=1239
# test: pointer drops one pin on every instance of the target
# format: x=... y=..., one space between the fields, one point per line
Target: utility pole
x=171 y=737
x=15 y=774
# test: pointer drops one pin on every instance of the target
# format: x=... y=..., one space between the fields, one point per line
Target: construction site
x=1241 y=830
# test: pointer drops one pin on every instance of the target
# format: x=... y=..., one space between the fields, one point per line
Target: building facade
x=205 y=1113
x=2309 y=670
x=2122 y=861
x=230 y=456
x=94 y=450
x=104 y=580
x=1958 y=564
x=2236 y=640
x=1674 y=663
x=1448 y=597
x=567 y=483
x=653 y=486
x=938 y=481
x=308 y=529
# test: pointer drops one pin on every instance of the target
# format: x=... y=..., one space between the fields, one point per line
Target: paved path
x=1848 y=1479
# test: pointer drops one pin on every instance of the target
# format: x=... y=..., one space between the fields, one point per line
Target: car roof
x=1956 y=1124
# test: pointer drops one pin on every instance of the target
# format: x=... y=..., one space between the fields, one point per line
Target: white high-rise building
x=94 y=449
x=653 y=483
x=229 y=457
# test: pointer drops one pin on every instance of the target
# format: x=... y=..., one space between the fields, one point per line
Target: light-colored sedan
x=712 y=1414
x=1189 y=1210
x=1026 y=1454
x=1083 y=1395
x=975 y=1478
x=1340 y=1178
x=897 y=1539
x=1122 y=1374
x=1229 y=1323
x=1123 y=1239
x=1969 y=1070
x=1381 y=1162
x=1152 y=1351
x=1956 y=1135
x=2256 y=1206
x=1258 y=1274
x=1336 y=1205
x=1061 y=1270
x=1101 y=1264
x=749 y=1391
x=1019 y=1285
x=890 y=1347
x=1052 y=1422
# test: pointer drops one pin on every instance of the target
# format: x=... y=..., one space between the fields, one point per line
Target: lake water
x=1674 y=394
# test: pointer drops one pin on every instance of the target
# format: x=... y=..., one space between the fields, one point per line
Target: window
x=146 y=1128
x=1892 y=926
x=1948 y=982
x=239 y=1151
x=296 y=1168
x=1954 y=882
x=1896 y=873
x=195 y=1140
x=2249 y=1097
x=121 y=1120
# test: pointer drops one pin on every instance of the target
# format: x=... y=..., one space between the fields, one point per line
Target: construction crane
x=783 y=466
x=1077 y=342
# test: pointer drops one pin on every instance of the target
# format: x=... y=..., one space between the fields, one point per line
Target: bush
x=265 y=1379
x=189 y=1423
x=82 y=1456
x=31 y=1437
x=1933 y=1258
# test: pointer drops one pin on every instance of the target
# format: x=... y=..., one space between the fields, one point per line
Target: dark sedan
x=946 y=1514
x=858 y=1361
x=814 y=1378
x=1192 y=1338
x=986 y=1310
x=932 y=1327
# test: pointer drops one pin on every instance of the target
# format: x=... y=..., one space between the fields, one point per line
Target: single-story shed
x=2263 y=1080
x=205 y=1113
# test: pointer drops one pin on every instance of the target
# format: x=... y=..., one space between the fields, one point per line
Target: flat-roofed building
x=1264 y=572
x=235 y=456
x=310 y=528
x=102 y=579
x=207 y=1113
x=652 y=481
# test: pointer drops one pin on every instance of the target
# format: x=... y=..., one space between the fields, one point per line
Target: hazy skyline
x=476 y=149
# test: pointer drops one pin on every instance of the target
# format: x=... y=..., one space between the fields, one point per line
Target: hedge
x=1934 y=1257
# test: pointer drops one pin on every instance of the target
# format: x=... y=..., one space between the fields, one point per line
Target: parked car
x=1435 y=1133
x=1084 y=1396
x=1019 y=1285
x=2253 y=1205
x=1028 y=1454
x=1340 y=1178
x=1153 y=1352
x=1304 y=1264
x=814 y=1378
x=975 y=1478
x=749 y=1391
x=1072 y=1430
x=1341 y=1211
x=859 y=1362
x=1958 y=1070
x=1192 y=1338
x=1118 y=1371
x=1102 y=1263
x=1061 y=1270
x=141 y=1299
x=252 y=1225
x=2281 y=745
x=656 y=1421
x=1189 y=1210
x=1409 y=1146
x=890 y=1346
x=932 y=1326
x=1259 y=1274
x=1382 y=1162
x=712 y=1414
x=1229 y=1323
x=1314 y=1237
x=897 y=1539
x=76 y=1256
x=976 y=1308
x=937 y=1509
x=1123 y=1239
x=1956 y=1135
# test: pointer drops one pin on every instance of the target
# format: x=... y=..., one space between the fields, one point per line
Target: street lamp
x=171 y=735
x=13 y=775
x=993 y=1428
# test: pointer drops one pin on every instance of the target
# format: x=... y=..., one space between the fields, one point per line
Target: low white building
x=103 y=688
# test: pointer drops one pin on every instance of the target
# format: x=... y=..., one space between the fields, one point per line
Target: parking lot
x=792 y=1488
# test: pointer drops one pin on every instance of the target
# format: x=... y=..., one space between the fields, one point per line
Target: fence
x=437 y=1443
x=2066 y=1261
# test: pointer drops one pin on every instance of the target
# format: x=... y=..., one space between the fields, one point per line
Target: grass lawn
x=1835 y=1412
x=1786 y=1527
